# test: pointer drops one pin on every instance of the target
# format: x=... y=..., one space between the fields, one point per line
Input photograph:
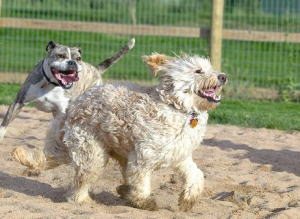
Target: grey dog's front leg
x=11 y=113
x=14 y=109
x=22 y=97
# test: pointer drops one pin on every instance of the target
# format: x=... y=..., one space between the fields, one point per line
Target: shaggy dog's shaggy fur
x=144 y=129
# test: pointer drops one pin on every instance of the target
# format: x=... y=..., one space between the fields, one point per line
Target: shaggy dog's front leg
x=193 y=184
x=89 y=159
x=137 y=189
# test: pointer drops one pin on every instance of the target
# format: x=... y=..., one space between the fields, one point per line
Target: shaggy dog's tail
x=103 y=66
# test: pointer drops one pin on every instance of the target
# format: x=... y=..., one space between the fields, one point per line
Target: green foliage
x=288 y=91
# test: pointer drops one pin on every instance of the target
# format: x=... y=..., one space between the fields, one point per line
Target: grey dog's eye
x=78 y=59
x=199 y=71
x=61 y=56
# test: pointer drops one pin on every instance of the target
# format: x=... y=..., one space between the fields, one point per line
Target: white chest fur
x=179 y=146
x=48 y=98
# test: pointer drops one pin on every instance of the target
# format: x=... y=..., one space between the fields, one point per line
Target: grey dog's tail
x=117 y=56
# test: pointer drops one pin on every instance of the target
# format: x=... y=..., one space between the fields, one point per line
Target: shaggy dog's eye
x=199 y=71
x=78 y=59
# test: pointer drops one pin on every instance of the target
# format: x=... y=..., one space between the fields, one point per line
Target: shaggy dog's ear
x=183 y=55
x=155 y=61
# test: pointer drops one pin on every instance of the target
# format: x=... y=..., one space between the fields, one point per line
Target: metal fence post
x=216 y=33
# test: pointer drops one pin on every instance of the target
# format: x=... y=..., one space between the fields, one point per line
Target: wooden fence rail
x=152 y=30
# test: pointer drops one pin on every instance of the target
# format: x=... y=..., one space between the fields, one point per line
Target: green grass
x=263 y=64
x=8 y=93
x=273 y=115
x=22 y=48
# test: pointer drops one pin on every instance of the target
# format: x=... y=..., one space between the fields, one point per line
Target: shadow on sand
x=282 y=160
x=35 y=188
x=31 y=187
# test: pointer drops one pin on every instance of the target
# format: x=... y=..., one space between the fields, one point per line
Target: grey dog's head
x=63 y=64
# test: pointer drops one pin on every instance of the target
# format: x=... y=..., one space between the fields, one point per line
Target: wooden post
x=132 y=11
x=216 y=33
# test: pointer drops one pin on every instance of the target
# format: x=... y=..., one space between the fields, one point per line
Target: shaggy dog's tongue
x=210 y=92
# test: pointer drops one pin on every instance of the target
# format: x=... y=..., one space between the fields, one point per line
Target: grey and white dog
x=57 y=79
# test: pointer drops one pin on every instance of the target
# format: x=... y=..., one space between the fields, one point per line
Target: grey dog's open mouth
x=210 y=94
x=65 y=78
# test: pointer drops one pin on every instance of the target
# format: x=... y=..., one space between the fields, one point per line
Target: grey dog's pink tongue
x=67 y=79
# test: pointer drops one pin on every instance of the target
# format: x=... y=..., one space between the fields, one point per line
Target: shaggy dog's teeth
x=217 y=97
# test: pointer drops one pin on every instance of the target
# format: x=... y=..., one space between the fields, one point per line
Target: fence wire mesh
x=258 y=68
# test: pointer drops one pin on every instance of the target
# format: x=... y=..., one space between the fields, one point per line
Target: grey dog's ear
x=51 y=45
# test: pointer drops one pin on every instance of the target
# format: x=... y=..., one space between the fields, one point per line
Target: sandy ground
x=249 y=173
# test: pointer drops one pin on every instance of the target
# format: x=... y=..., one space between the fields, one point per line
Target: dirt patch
x=249 y=173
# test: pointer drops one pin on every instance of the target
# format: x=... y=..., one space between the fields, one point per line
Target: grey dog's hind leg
x=117 y=56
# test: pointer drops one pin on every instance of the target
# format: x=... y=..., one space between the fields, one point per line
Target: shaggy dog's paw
x=144 y=203
x=186 y=204
x=79 y=198
x=126 y=192
x=31 y=172
x=123 y=190
x=30 y=159
x=20 y=155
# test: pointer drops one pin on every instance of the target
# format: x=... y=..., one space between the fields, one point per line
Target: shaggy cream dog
x=144 y=129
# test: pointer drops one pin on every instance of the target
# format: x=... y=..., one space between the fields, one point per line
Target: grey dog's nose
x=71 y=62
x=222 y=78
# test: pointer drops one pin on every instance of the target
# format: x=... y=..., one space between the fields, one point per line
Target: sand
x=249 y=173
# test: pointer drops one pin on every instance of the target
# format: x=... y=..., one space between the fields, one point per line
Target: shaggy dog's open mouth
x=211 y=94
x=65 y=78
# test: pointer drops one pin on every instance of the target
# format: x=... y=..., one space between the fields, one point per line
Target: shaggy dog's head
x=187 y=82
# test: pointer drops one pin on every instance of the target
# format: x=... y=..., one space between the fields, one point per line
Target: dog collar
x=47 y=78
x=193 y=119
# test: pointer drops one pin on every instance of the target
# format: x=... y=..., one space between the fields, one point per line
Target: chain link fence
x=261 y=38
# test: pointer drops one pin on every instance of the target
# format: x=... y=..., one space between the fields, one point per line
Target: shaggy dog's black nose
x=71 y=62
x=222 y=78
